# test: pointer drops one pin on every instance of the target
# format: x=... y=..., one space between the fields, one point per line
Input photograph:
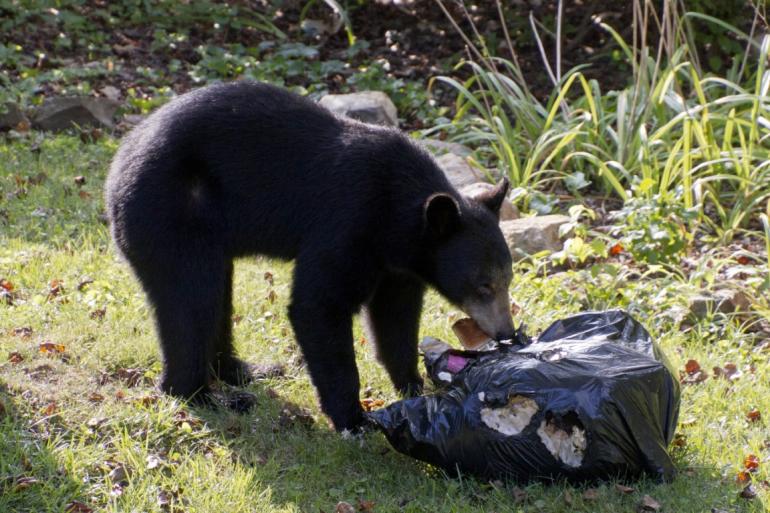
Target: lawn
x=82 y=427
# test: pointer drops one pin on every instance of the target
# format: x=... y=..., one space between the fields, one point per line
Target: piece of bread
x=469 y=333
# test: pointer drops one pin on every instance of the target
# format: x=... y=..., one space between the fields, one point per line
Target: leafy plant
x=655 y=230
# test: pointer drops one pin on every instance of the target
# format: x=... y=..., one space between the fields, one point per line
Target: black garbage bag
x=593 y=397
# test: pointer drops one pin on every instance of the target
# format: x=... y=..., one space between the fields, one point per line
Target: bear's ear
x=493 y=199
x=442 y=214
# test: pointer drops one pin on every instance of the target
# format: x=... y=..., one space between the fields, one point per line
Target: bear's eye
x=486 y=289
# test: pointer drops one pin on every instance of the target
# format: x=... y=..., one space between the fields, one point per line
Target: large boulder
x=531 y=235
x=508 y=210
x=61 y=113
x=367 y=106
x=459 y=172
x=11 y=117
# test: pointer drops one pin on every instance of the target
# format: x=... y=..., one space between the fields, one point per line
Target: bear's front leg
x=323 y=324
x=393 y=321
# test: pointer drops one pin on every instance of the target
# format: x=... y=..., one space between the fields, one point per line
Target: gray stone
x=367 y=106
x=438 y=147
x=724 y=300
x=531 y=235
x=12 y=117
x=65 y=112
x=458 y=171
x=508 y=210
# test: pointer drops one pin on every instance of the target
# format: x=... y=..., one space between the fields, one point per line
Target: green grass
x=53 y=430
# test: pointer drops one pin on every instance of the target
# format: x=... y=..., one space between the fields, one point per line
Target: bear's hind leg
x=392 y=318
x=226 y=366
x=186 y=291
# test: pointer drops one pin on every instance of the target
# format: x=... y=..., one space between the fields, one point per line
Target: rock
x=13 y=117
x=367 y=106
x=62 y=113
x=724 y=300
x=111 y=92
x=531 y=235
x=438 y=147
x=508 y=210
x=458 y=171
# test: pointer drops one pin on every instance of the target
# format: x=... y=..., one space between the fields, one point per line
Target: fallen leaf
x=649 y=504
x=51 y=348
x=268 y=276
x=98 y=314
x=365 y=506
x=84 y=282
x=743 y=260
x=749 y=492
x=754 y=415
x=370 y=404
x=15 y=357
x=616 y=249
x=751 y=463
x=743 y=477
x=164 y=498
x=568 y=497
x=519 y=495
x=591 y=494
x=55 y=287
x=515 y=309
x=153 y=461
x=119 y=473
x=95 y=422
x=624 y=489
x=24 y=482
x=344 y=507
x=23 y=332
x=729 y=371
x=692 y=366
x=680 y=440
x=77 y=507
x=80 y=181
x=271 y=296
x=84 y=195
x=6 y=285
x=49 y=409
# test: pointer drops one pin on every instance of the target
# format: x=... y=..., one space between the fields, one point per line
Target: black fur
x=245 y=168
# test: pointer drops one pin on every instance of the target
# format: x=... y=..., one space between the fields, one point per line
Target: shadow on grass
x=308 y=466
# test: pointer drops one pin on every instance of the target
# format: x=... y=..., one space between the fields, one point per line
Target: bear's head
x=469 y=262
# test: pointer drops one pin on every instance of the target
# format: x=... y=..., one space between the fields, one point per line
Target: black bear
x=246 y=168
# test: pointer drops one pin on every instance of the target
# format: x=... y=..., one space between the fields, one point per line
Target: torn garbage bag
x=593 y=397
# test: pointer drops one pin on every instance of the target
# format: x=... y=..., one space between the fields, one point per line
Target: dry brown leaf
x=749 y=492
x=365 y=506
x=370 y=404
x=754 y=415
x=22 y=331
x=344 y=507
x=568 y=497
x=751 y=463
x=15 y=357
x=624 y=489
x=649 y=504
x=49 y=347
x=591 y=494
x=24 y=482
x=692 y=366
x=49 y=409
x=77 y=507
